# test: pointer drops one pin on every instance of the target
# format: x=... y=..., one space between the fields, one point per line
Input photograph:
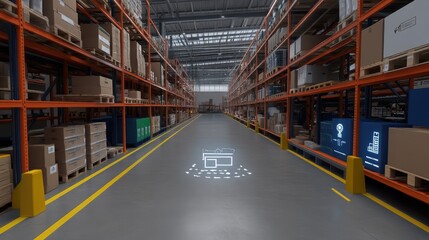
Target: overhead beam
x=214 y=30
x=214 y=15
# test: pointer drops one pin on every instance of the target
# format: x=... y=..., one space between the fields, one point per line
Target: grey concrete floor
x=276 y=196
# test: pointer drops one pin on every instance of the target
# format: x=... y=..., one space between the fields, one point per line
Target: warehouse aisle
x=256 y=192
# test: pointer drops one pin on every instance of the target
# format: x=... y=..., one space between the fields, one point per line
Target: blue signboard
x=342 y=137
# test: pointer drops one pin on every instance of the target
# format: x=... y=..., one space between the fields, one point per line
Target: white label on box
x=53 y=169
x=62 y=3
x=67 y=19
x=386 y=67
x=51 y=149
x=103 y=39
x=105 y=49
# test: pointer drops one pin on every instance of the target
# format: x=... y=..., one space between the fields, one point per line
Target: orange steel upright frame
x=242 y=73
x=72 y=55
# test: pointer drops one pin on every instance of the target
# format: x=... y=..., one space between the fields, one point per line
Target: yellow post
x=355 y=177
x=248 y=123
x=256 y=127
x=283 y=141
x=29 y=196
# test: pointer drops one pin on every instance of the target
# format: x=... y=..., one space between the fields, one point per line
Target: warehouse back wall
x=206 y=96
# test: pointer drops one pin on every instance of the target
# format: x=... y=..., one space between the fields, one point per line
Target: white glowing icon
x=218 y=158
x=375 y=145
x=340 y=129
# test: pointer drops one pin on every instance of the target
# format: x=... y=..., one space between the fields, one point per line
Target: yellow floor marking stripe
x=269 y=139
x=398 y=212
x=18 y=220
x=318 y=167
x=95 y=195
x=11 y=224
x=341 y=195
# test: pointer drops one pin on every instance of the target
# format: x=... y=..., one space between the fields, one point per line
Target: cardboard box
x=135 y=94
x=94 y=37
x=38 y=139
x=6 y=176
x=69 y=143
x=136 y=57
x=70 y=154
x=41 y=155
x=60 y=133
x=5 y=162
x=158 y=70
x=96 y=156
x=65 y=20
x=372 y=44
x=95 y=147
x=126 y=49
x=406 y=28
x=95 y=138
x=311 y=74
x=50 y=177
x=115 y=40
x=6 y=194
x=51 y=5
x=408 y=150
x=418 y=113
x=92 y=85
x=307 y=42
x=294 y=79
x=37 y=5
x=71 y=166
x=95 y=128
x=5 y=82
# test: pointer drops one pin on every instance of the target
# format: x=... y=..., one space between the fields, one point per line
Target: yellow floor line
x=398 y=212
x=95 y=195
x=318 y=167
x=18 y=220
x=341 y=195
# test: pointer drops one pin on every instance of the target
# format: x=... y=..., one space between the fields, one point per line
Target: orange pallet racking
x=338 y=44
x=29 y=39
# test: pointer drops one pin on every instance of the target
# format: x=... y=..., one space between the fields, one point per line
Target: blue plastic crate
x=418 y=109
x=342 y=137
x=373 y=143
x=326 y=140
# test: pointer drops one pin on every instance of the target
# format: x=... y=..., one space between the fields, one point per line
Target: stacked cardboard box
x=408 y=150
x=311 y=74
x=115 y=40
x=96 y=143
x=406 y=29
x=276 y=59
x=303 y=44
x=5 y=180
x=92 y=85
x=126 y=49
x=172 y=118
x=42 y=156
x=135 y=8
x=70 y=151
x=158 y=70
x=36 y=5
x=62 y=15
x=156 y=124
x=95 y=38
x=4 y=80
x=372 y=44
x=134 y=94
x=137 y=59
x=276 y=38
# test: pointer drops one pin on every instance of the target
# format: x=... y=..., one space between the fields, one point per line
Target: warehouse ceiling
x=209 y=37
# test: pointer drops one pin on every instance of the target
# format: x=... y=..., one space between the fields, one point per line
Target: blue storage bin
x=373 y=143
x=326 y=127
x=418 y=109
x=342 y=137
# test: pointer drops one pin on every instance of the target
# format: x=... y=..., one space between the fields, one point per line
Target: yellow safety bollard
x=256 y=127
x=283 y=141
x=29 y=195
x=248 y=123
x=355 y=177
